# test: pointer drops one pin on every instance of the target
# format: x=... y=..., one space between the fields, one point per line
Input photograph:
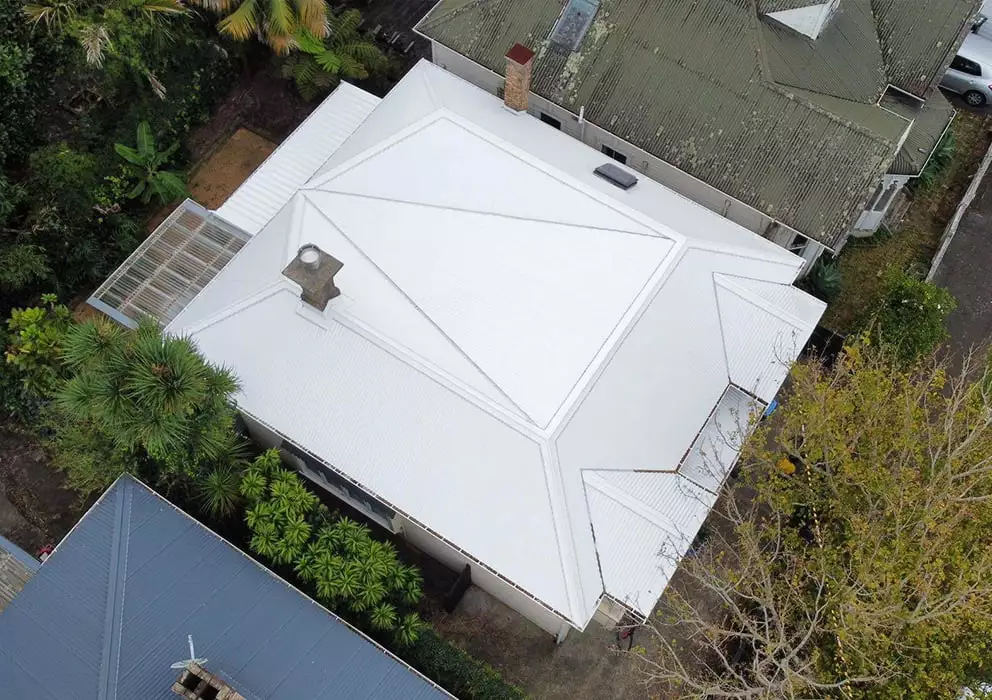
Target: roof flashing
x=810 y=21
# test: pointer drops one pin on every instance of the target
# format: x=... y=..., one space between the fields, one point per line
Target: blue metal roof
x=108 y=613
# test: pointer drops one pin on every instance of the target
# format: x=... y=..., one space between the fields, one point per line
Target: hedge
x=457 y=671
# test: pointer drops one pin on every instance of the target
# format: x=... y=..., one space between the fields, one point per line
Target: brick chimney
x=519 y=62
x=314 y=271
x=195 y=683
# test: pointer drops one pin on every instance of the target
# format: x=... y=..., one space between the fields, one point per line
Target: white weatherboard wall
x=637 y=158
x=483 y=578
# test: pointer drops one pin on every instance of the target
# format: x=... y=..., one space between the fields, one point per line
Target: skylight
x=573 y=24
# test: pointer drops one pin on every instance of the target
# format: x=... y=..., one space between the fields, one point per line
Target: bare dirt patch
x=216 y=178
x=35 y=507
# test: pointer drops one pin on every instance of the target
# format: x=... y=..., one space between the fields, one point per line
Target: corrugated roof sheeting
x=682 y=80
x=644 y=524
x=109 y=612
x=761 y=339
x=715 y=449
x=845 y=61
x=170 y=267
x=296 y=160
x=930 y=125
x=917 y=38
x=702 y=107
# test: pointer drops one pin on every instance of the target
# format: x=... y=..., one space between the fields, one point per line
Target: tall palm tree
x=274 y=22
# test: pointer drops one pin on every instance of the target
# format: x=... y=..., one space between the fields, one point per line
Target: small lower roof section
x=170 y=267
x=928 y=129
x=109 y=613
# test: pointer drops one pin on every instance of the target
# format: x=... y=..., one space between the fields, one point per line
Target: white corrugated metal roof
x=507 y=322
x=297 y=158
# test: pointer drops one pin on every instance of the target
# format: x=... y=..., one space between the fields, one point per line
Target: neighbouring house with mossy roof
x=801 y=121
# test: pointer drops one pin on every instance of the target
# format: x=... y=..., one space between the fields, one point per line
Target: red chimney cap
x=520 y=54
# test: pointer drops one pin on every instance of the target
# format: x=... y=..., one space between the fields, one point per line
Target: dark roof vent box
x=616 y=175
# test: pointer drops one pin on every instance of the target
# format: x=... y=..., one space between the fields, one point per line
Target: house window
x=960 y=63
x=615 y=155
x=548 y=119
x=798 y=245
x=341 y=487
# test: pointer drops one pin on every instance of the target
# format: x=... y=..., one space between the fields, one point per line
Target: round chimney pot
x=310 y=256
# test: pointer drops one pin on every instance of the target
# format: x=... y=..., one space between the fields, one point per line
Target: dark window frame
x=613 y=153
x=551 y=121
x=966 y=66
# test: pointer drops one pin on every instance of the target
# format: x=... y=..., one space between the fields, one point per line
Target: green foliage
x=152 y=395
x=26 y=74
x=456 y=671
x=218 y=491
x=348 y=569
x=912 y=318
x=274 y=22
x=319 y=64
x=823 y=280
x=146 y=163
x=122 y=33
x=66 y=179
x=35 y=343
x=939 y=160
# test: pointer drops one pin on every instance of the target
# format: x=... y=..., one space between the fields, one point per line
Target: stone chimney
x=519 y=62
x=314 y=271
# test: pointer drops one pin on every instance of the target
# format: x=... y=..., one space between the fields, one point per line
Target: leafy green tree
x=35 y=344
x=854 y=559
x=127 y=32
x=150 y=394
x=273 y=22
x=912 y=318
x=320 y=62
x=147 y=163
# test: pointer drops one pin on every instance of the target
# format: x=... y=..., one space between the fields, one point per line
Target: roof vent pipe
x=314 y=271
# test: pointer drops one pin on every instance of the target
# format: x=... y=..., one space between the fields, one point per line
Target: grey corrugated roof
x=918 y=38
x=692 y=82
x=930 y=125
x=109 y=612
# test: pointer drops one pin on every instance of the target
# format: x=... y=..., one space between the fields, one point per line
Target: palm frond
x=351 y=67
x=345 y=25
x=169 y=7
x=157 y=87
x=53 y=14
x=329 y=62
x=364 y=51
x=242 y=23
x=312 y=15
x=95 y=41
x=308 y=42
x=168 y=186
x=279 y=25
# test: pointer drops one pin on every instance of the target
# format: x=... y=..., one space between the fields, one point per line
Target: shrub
x=939 y=160
x=35 y=343
x=337 y=557
x=458 y=672
x=912 y=318
x=823 y=280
